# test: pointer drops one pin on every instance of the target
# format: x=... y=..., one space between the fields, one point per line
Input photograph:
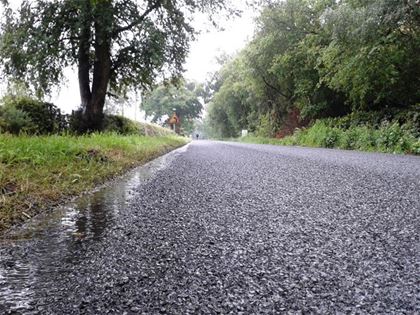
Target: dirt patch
x=292 y=121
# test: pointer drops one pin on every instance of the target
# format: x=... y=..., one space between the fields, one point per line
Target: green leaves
x=146 y=39
x=371 y=51
x=184 y=99
x=323 y=58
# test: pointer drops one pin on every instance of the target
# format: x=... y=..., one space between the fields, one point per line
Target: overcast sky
x=201 y=61
x=237 y=32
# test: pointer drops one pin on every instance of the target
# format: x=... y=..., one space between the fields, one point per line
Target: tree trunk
x=101 y=75
x=84 y=65
x=93 y=99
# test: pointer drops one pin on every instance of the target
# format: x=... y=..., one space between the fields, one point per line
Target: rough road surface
x=224 y=228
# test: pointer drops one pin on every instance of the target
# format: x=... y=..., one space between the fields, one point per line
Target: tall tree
x=115 y=44
x=319 y=58
x=373 y=53
x=184 y=99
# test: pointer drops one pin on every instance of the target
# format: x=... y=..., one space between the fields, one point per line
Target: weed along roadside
x=353 y=133
x=37 y=172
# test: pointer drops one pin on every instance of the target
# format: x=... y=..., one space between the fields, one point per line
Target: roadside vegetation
x=44 y=156
x=357 y=131
x=37 y=172
x=324 y=73
x=388 y=138
x=118 y=48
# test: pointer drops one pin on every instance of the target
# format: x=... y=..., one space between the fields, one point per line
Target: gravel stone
x=227 y=228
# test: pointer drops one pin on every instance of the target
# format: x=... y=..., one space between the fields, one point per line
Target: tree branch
x=273 y=87
x=121 y=53
x=139 y=20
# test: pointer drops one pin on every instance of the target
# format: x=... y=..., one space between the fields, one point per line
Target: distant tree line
x=312 y=59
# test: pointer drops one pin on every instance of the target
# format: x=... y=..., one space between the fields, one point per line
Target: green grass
x=38 y=172
x=389 y=138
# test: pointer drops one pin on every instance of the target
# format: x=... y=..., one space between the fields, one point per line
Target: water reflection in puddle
x=40 y=248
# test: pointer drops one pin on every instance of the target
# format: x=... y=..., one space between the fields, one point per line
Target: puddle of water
x=37 y=248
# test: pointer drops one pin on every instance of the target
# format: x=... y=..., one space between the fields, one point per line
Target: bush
x=375 y=119
x=389 y=131
x=125 y=126
x=117 y=124
x=110 y=123
x=264 y=127
x=15 y=121
x=389 y=137
x=45 y=117
x=76 y=122
x=121 y=125
x=395 y=138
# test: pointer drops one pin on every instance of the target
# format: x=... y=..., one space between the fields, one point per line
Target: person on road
x=196 y=136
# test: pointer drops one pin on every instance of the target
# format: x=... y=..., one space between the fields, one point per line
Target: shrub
x=117 y=124
x=121 y=125
x=389 y=131
x=111 y=123
x=396 y=138
x=331 y=138
x=15 y=121
x=389 y=137
x=376 y=119
x=264 y=128
x=45 y=117
x=76 y=122
x=79 y=125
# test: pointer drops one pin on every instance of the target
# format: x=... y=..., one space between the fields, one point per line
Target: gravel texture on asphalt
x=232 y=228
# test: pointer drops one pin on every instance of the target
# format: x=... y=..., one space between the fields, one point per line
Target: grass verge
x=388 y=138
x=38 y=172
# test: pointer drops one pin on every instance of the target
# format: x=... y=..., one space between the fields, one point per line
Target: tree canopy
x=115 y=44
x=184 y=99
x=319 y=58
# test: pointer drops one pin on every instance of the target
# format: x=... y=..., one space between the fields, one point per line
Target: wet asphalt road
x=224 y=228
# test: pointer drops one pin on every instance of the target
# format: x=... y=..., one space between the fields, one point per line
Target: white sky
x=201 y=61
x=209 y=45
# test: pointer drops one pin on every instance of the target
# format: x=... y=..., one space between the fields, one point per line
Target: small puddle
x=31 y=252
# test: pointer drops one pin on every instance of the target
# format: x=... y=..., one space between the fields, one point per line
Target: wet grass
x=38 y=172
